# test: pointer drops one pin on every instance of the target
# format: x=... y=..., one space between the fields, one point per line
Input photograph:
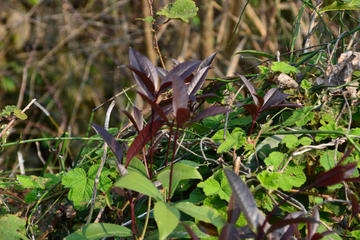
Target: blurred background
x=66 y=53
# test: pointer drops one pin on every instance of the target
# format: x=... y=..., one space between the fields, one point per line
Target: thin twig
x=96 y=181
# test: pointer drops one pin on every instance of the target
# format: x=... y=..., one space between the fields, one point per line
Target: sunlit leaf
x=181 y=9
x=167 y=218
x=95 y=231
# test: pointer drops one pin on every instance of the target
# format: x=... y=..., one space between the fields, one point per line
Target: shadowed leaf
x=144 y=137
x=285 y=222
x=182 y=116
x=250 y=88
x=208 y=228
x=209 y=95
x=312 y=227
x=138 y=117
x=161 y=72
x=110 y=141
x=132 y=120
x=274 y=97
x=233 y=210
x=183 y=70
x=252 y=109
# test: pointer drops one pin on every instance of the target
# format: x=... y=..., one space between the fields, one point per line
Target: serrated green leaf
x=81 y=186
x=181 y=9
x=12 y=227
x=283 y=67
x=328 y=127
x=300 y=117
x=32 y=181
x=167 y=218
x=290 y=141
x=356 y=234
x=96 y=231
x=305 y=84
x=274 y=159
x=210 y=186
x=179 y=232
x=234 y=140
x=149 y=19
x=19 y=114
x=327 y=159
x=341 y=6
x=219 y=136
x=269 y=179
x=305 y=141
x=202 y=213
x=254 y=52
x=293 y=176
x=138 y=182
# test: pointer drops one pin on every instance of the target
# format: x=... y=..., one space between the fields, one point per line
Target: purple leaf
x=289 y=105
x=312 y=227
x=144 y=65
x=285 y=222
x=131 y=119
x=246 y=232
x=154 y=106
x=273 y=98
x=198 y=80
x=233 y=210
x=138 y=117
x=336 y=175
x=161 y=72
x=246 y=201
x=229 y=231
x=163 y=87
x=252 y=109
x=208 y=95
x=175 y=62
x=144 y=83
x=142 y=138
x=110 y=141
x=180 y=95
x=250 y=88
x=207 y=61
x=183 y=70
x=212 y=111
x=289 y=230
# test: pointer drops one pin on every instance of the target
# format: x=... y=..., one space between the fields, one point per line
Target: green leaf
x=356 y=234
x=164 y=178
x=12 y=227
x=181 y=9
x=328 y=127
x=179 y=232
x=300 y=117
x=210 y=186
x=19 y=114
x=275 y=159
x=234 y=140
x=138 y=182
x=305 y=85
x=167 y=218
x=202 y=213
x=283 y=67
x=290 y=141
x=82 y=186
x=148 y=19
x=269 y=179
x=340 y=6
x=305 y=141
x=96 y=231
x=293 y=176
x=32 y=181
x=136 y=165
x=253 y=52
x=219 y=136
x=327 y=159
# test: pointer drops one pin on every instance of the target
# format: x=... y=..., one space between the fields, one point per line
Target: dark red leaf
x=250 y=88
x=144 y=83
x=142 y=139
x=190 y=232
x=144 y=65
x=208 y=95
x=354 y=205
x=154 y=106
x=198 y=80
x=228 y=232
x=285 y=222
x=284 y=105
x=261 y=100
x=180 y=95
x=336 y=175
x=207 y=61
x=182 y=116
x=312 y=227
x=318 y=236
x=163 y=87
x=138 y=117
x=110 y=141
x=131 y=119
x=252 y=109
x=212 y=111
x=208 y=228
x=289 y=230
